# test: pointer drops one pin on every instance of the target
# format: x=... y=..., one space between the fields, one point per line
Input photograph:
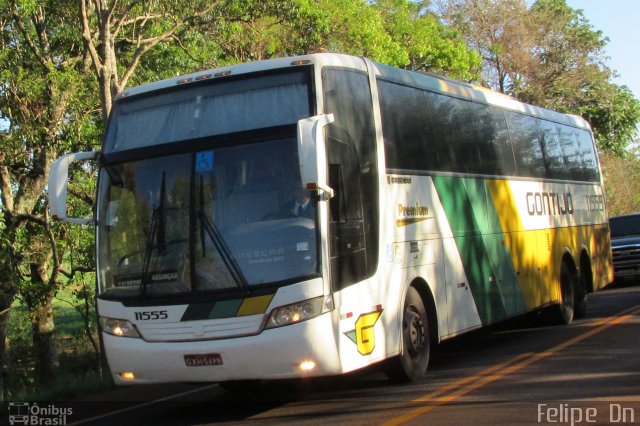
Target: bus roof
x=320 y=59
x=427 y=81
x=444 y=85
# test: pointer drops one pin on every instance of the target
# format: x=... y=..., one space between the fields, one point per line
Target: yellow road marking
x=492 y=374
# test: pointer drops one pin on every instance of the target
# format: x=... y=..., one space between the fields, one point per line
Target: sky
x=618 y=21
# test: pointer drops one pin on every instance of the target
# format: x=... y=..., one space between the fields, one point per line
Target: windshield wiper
x=206 y=225
x=156 y=232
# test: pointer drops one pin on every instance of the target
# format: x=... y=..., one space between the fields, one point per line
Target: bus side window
x=527 y=146
x=407 y=127
x=454 y=136
x=353 y=174
x=336 y=205
x=348 y=260
x=553 y=156
x=589 y=159
x=492 y=136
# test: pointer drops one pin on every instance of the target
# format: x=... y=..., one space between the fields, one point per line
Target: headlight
x=298 y=312
x=118 y=327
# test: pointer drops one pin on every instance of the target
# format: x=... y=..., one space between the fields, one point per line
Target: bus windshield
x=205 y=221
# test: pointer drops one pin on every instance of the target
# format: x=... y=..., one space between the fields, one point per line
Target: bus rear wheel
x=411 y=364
x=568 y=284
x=585 y=284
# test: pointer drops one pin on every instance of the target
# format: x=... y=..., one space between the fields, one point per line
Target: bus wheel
x=580 y=303
x=584 y=284
x=568 y=283
x=411 y=364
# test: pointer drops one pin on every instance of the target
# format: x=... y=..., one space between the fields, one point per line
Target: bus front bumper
x=306 y=349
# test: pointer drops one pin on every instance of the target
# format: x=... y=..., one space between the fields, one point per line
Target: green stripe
x=502 y=262
x=227 y=308
x=197 y=311
x=465 y=204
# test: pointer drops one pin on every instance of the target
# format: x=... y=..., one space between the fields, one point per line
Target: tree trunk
x=42 y=325
x=44 y=343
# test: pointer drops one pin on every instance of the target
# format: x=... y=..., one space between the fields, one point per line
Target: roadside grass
x=78 y=371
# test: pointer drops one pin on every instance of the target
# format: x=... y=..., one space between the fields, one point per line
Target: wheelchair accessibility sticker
x=204 y=161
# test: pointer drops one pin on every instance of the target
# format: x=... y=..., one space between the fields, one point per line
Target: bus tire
x=411 y=364
x=568 y=284
x=585 y=286
x=580 y=301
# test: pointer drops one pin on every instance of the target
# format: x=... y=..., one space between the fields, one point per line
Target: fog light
x=127 y=375
x=307 y=365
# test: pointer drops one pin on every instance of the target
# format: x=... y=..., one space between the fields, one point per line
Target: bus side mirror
x=313 y=154
x=58 y=183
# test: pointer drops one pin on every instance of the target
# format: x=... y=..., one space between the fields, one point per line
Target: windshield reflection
x=222 y=219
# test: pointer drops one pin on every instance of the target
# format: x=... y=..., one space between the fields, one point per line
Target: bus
x=437 y=208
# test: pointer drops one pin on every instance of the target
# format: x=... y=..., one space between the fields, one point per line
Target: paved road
x=522 y=373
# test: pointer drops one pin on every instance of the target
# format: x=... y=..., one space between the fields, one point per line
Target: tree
x=44 y=113
x=614 y=114
x=402 y=33
x=261 y=29
x=622 y=182
x=120 y=36
x=429 y=45
x=498 y=31
x=117 y=35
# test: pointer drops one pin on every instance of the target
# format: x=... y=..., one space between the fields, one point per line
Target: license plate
x=202 y=360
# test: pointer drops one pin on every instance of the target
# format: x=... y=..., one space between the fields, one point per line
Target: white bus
x=433 y=208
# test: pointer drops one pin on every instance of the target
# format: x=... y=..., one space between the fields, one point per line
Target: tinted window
x=406 y=126
x=219 y=107
x=433 y=132
x=551 y=151
x=527 y=146
x=353 y=174
x=454 y=139
x=587 y=152
x=492 y=136
x=624 y=225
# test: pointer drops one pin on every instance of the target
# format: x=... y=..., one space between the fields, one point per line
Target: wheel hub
x=414 y=332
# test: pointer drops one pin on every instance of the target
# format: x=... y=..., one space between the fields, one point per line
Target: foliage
x=497 y=31
x=259 y=29
x=46 y=108
x=622 y=182
x=77 y=371
x=426 y=43
x=614 y=114
x=402 y=33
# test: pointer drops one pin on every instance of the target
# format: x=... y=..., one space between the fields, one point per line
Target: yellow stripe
x=254 y=305
x=505 y=205
x=537 y=254
x=529 y=250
